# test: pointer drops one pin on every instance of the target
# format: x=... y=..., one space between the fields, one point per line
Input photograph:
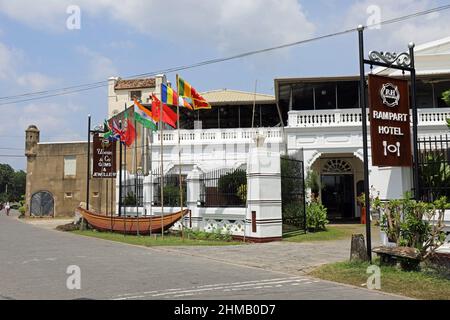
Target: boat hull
x=131 y=225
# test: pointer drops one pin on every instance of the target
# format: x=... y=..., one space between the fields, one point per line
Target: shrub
x=446 y=97
x=130 y=199
x=217 y=235
x=172 y=195
x=312 y=182
x=415 y=224
x=242 y=192
x=230 y=183
x=316 y=216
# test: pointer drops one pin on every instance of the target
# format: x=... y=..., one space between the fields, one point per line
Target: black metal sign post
x=88 y=162
x=405 y=62
x=96 y=130
x=362 y=104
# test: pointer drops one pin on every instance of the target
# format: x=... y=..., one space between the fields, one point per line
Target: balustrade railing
x=353 y=117
x=220 y=135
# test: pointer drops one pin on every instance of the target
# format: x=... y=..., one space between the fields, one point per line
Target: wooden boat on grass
x=130 y=225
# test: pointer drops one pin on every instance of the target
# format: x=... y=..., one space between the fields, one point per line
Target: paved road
x=34 y=261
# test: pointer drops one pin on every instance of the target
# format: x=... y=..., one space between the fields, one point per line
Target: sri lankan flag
x=185 y=90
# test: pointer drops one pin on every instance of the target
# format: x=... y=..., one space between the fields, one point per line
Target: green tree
x=12 y=183
x=446 y=97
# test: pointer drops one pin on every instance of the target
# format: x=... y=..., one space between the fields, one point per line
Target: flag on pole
x=144 y=116
x=186 y=91
x=129 y=130
x=168 y=115
x=169 y=96
x=109 y=133
x=183 y=103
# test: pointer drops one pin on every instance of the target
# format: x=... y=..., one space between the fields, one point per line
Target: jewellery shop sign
x=389 y=122
x=104 y=159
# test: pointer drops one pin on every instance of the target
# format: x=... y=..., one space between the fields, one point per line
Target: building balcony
x=353 y=118
x=219 y=136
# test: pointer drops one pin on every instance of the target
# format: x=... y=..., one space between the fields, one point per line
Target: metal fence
x=434 y=167
x=293 y=195
x=171 y=190
x=224 y=188
x=133 y=192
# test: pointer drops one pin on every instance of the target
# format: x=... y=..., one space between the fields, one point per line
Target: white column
x=193 y=195
x=148 y=193
x=264 y=218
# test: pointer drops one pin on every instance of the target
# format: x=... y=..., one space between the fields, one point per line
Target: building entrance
x=338 y=196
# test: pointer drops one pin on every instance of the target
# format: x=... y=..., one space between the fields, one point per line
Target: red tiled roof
x=135 y=84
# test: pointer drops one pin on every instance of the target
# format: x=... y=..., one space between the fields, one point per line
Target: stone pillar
x=32 y=136
x=193 y=195
x=264 y=219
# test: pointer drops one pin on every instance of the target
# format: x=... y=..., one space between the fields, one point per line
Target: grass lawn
x=169 y=240
x=334 y=232
x=419 y=285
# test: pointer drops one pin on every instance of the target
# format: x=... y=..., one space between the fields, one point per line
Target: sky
x=46 y=45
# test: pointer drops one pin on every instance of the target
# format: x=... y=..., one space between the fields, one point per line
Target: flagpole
x=120 y=171
x=179 y=163
x=150 y=168
x=161 y=133
x=136 y=177
x=126 y=182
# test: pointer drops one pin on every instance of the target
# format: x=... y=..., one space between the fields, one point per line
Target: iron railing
x=171 y=190
x=434 y=167
x=224 y=188
x=293 y=195
x=133 y=192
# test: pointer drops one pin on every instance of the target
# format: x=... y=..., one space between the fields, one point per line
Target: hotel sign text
x=389 y=122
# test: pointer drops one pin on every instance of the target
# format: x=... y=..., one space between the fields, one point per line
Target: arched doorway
x=337 y=184
x=42 y=204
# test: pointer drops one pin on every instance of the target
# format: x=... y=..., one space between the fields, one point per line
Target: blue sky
x=122 y=38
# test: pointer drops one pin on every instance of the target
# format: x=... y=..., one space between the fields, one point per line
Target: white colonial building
x=317 y=120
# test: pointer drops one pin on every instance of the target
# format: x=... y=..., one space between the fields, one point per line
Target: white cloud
x=35 y=81
x=397 y=35
x=11 y=61
x=53 y=119
x=100 y=66
x=231 y=26
x=7 y=61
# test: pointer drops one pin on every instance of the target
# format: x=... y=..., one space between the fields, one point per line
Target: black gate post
x=415 y=122
x=362 y=104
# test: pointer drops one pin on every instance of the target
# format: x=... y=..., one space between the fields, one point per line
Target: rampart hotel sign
x=389 y=122
x=104 y=159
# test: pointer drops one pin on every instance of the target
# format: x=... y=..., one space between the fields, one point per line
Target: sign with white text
x=104 y=160
x=389 y=122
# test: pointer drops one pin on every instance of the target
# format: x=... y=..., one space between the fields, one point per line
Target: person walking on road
x=7 y=208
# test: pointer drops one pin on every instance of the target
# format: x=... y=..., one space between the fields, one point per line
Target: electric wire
x=95 y=85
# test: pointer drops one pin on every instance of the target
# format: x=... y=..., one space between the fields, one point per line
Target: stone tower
x=31 y=146
x=31 y=141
